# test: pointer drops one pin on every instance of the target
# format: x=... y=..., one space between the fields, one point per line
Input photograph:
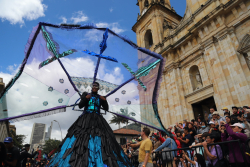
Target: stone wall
x=213 y=48
x=212 y=35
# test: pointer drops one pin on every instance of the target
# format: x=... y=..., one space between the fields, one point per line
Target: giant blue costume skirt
x=90 y=142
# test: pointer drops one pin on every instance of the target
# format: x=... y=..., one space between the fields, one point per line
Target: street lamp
x=59 y=127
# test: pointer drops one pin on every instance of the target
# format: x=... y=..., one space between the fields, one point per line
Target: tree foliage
x=18 y=140
x=117 y=120
x=50 y=145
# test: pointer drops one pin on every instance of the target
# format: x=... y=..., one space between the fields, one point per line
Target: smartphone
x=245 y=115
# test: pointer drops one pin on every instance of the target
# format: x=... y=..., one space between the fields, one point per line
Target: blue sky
x=19 y=17
x=15 y=28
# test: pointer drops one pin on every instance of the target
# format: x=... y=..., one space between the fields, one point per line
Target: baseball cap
x=8 y=140
x=216 y=113
x=235 y=107
x=211 y=122
x=239 y=125
x=224 y=108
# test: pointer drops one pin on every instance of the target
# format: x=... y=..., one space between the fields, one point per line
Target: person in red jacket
x=178 y=143
x=160 y=137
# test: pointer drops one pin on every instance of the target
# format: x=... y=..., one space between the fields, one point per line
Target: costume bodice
x=94 y=104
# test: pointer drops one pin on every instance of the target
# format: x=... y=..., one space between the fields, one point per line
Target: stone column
x=163 y=102
x=241 y=92
x=218 y=76
x=138 y=38
x=180 y=89
x=157 y=28
x=177 y=105
x=140 y=6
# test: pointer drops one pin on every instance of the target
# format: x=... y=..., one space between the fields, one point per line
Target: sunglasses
x=95 y=86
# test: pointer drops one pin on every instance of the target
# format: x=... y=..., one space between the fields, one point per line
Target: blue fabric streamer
x=100 y=56
x=147 y=51
x=103 y=44
x=59 y=157
x=124 y=157
x=95 y=152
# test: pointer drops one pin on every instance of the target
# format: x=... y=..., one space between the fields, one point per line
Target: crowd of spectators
x=202 y=142
x=11 y=156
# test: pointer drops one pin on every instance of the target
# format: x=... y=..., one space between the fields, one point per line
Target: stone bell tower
x=154 y=23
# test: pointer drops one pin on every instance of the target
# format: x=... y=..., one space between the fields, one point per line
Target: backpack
x=166 y=154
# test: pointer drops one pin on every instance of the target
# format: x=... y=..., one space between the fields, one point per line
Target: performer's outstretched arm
x=104 y=103
x=84 y=100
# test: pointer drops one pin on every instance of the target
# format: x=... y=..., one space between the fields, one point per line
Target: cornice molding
x=222 y=34
x=170 y=67
x=191 y=58
x=208 y=43
x=198 y=91
x=175 y=44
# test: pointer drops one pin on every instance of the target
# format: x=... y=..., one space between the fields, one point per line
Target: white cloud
x=113 y=26
x=94 y=35
x=79 y=17
x=16 y=11
x=6 y=77
x=111 y=10
x=12 y=68
x=79 y=67
x=64 y=19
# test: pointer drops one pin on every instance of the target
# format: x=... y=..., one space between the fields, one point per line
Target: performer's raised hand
x=88 y=96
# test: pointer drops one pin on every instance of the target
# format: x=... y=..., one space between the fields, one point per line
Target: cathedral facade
x=207 y=54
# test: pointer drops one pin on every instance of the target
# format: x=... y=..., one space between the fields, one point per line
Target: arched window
x=195 y=77
x=244 y=48
x=162 y=2
x=247 y=58
x=148 y=39
x=146 y=3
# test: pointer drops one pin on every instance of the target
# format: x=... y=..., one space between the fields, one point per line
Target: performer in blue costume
x=90 y=141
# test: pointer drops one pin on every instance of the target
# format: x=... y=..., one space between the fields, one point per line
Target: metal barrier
x=227 y=147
